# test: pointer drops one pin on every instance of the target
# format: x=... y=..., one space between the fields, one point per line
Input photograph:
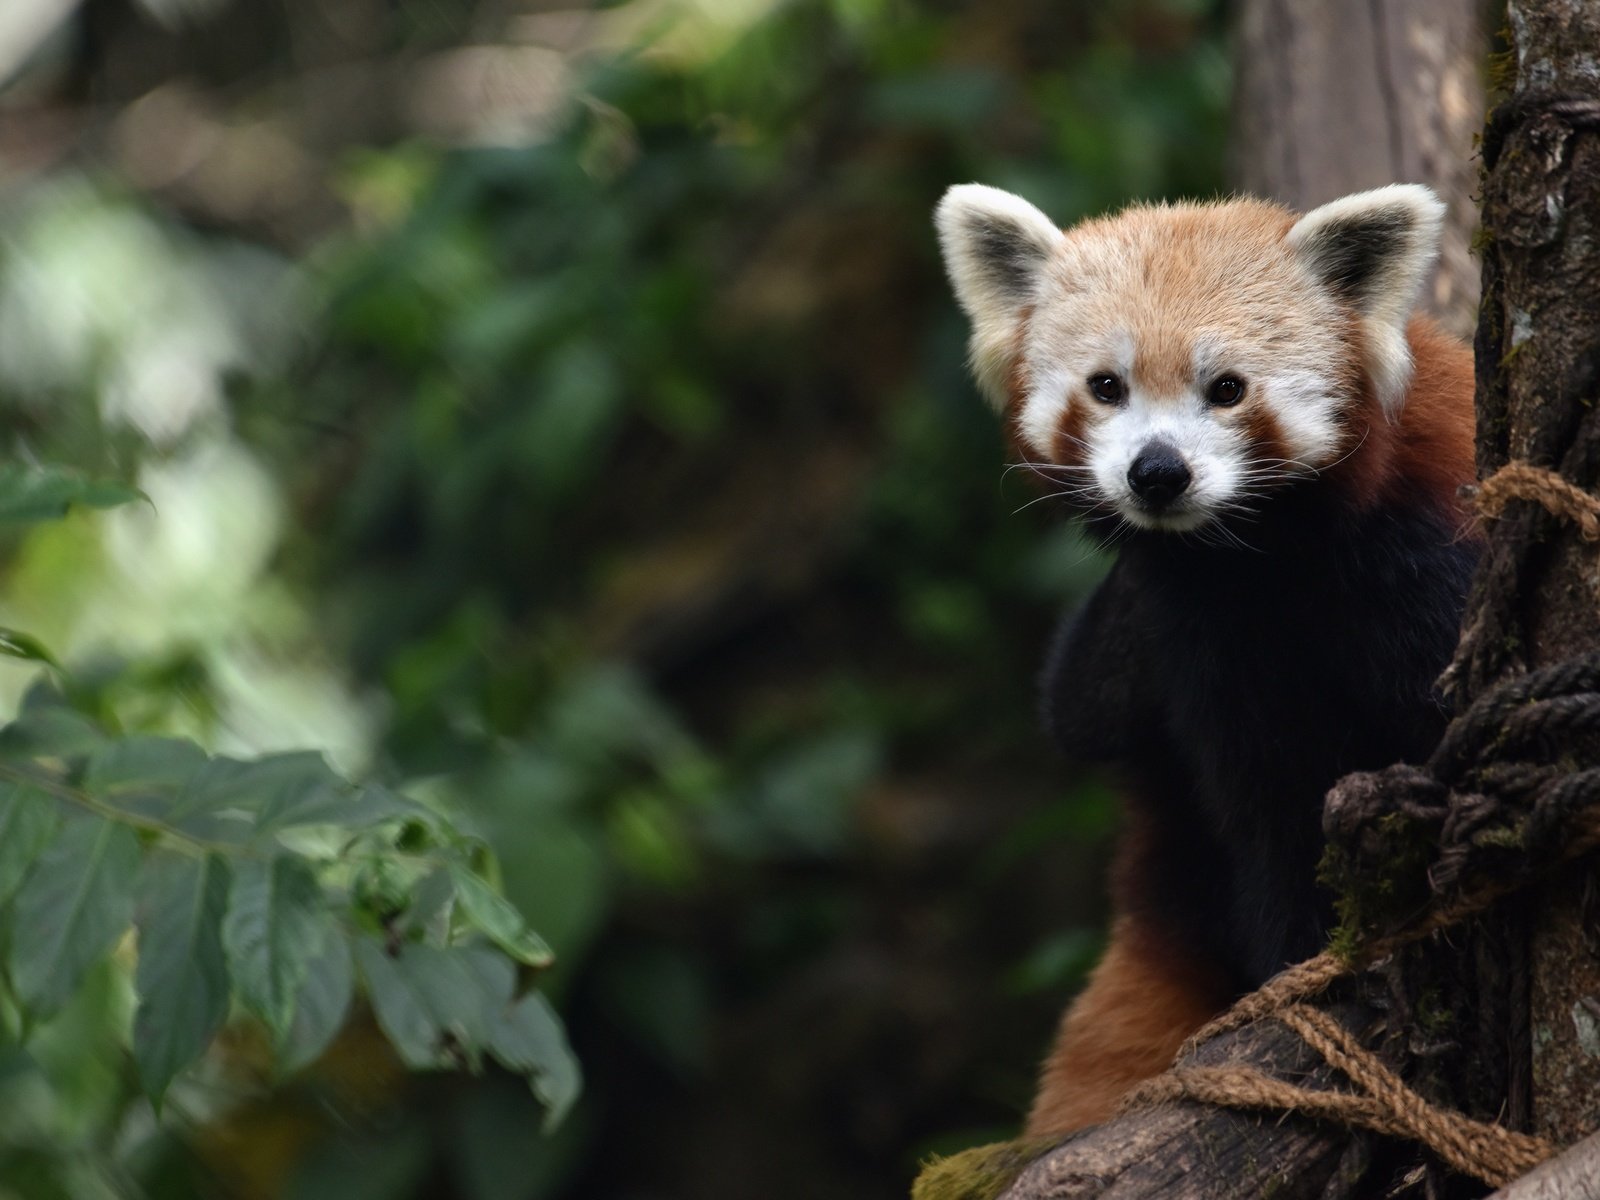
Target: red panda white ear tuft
x=995 y=245
x=1373 y=250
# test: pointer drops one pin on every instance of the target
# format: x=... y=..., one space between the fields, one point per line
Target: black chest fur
x=1230 y=688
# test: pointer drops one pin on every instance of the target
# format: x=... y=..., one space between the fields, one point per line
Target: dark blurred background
x=560 y=412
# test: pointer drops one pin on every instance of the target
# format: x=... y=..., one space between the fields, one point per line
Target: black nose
x=1158 y=475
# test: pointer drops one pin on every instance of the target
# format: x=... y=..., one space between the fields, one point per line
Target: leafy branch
x=271 y=884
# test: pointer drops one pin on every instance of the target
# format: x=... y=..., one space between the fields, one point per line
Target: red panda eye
x=1106 y=388
x=1226 y=392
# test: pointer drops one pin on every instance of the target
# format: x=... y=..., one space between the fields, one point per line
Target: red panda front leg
x=1141 y=1002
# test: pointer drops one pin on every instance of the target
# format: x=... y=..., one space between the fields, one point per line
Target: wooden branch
x=1200 y=1152
x=26 y=27
x=1351 y=94
x=1572 y=1175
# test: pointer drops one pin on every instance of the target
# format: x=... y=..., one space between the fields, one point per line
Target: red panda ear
x=1373 y=250
x=995 y=245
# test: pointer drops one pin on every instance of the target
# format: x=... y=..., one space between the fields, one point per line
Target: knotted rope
x=1384 y=1104
x=1523 y=481
x=1499 y=813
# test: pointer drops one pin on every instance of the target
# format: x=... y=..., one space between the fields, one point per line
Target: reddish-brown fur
x=1143 y=999
x=1069 y=439
x=1429 y=448
x=1265 y=436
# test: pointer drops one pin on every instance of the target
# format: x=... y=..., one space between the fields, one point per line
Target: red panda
x=1237 y=400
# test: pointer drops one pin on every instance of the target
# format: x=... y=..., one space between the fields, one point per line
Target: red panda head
x=1178 y=362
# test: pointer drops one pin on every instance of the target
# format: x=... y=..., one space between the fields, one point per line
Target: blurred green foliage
x=265 y=885
x=623 y=495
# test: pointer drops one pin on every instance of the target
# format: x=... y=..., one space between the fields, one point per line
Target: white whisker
x=1081 y=493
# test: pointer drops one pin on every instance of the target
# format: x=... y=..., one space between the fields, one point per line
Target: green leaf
x=807 y=795
x=16 y=644
x=72 y=909
x=528 y=1038
x=432 y=901
x=182 y=979
x=285 y=791
x=266 y=788
x=380 y=890
x=320 y=1007
x=50 y=731
x=80 y=1054
x=30 y=494
x=230 y=800
x=150 y=778
x=28 y=819
x=277 y=922
x=492 y=914
x=142 y=772
x=343 y=804
x=436 y=1005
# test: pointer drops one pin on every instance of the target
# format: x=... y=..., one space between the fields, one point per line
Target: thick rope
x=1467 y=1145
x=1476 y=784
x=1383 y=1103
x=1524 y=481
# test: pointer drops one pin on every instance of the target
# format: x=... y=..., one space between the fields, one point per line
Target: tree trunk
x=1335 y=96
x=1538 y=364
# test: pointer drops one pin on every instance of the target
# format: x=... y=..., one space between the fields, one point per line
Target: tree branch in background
x=24 y=27
x=1332 y=98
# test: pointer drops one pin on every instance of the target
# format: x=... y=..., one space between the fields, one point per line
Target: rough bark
x=1334 y=96
x=1538 y=364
